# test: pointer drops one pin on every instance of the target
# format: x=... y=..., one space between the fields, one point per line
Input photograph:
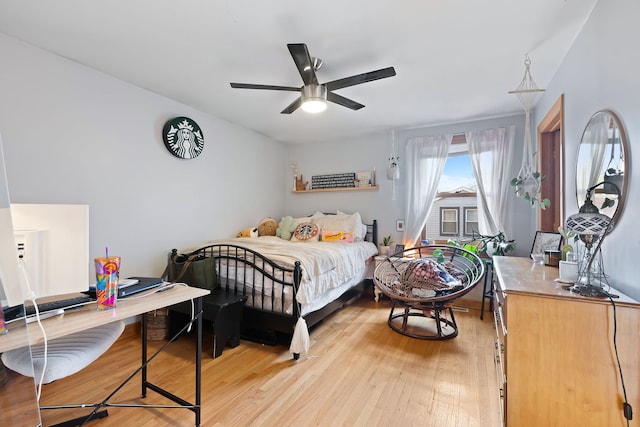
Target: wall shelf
x=323 y=190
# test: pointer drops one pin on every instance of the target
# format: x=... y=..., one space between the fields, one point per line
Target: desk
x=88 y=317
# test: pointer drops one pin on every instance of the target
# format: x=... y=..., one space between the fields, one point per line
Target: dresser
x=555 y=356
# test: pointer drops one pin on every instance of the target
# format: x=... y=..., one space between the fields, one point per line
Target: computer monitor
x=53 y=244
x=47 y=243
x=11 y=292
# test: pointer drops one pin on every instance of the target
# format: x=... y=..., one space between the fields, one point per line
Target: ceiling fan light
x=314 y=98
x=314 y=105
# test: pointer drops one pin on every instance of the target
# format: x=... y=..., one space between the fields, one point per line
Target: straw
x=106 y=248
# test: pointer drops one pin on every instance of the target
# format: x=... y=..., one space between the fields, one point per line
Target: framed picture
x=364 y=178
x=400 y=225
x=398 y=249
x=546 y=241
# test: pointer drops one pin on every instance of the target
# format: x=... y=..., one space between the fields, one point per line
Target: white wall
x=369 y=151
x=74 y=135
x=601 y=72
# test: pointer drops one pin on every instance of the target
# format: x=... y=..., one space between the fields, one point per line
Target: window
x=470 y=220
x=455 y=213
x=449 y=221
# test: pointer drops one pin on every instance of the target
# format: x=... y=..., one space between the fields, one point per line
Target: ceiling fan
x=313 y=95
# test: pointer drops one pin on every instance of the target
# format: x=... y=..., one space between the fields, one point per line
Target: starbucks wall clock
x=183 y=138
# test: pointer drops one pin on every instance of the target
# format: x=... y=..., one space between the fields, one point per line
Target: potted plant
x=494 y=245
x=568 y=236
x=386 y=244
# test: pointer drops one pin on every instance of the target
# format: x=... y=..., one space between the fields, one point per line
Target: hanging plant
x=528 y=183
x=530 y=189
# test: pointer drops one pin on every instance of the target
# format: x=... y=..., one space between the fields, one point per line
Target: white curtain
x=426 y=157
x=491 y=156
x=592 y=152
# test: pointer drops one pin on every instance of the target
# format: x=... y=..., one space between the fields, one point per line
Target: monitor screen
x=53 y=243
x=10 y=291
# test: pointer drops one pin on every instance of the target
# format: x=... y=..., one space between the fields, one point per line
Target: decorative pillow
x=286 y=227
x=360 y=229
x=306 y=232
x=337 y=236
x=337 y=223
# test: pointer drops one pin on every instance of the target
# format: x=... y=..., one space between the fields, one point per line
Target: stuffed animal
x=286 y=227
x=267 y=227
x=248 y=232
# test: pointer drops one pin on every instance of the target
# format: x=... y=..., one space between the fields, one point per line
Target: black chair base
x=436 y=325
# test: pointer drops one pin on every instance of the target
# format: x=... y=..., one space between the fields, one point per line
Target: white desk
x=88 y=317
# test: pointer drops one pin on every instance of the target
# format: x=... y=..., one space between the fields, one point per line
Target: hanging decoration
x=393 y=169
x=528 y=183
x=614 y=173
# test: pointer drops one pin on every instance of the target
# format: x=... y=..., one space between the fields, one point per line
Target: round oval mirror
x=602 y=163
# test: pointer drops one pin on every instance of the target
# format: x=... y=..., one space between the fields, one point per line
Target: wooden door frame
x=554 y=121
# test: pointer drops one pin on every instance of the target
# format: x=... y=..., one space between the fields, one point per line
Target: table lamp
x=591 y=226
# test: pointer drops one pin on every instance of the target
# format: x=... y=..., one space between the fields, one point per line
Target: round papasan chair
x=423 y=282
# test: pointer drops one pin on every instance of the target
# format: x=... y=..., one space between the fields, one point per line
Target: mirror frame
x=624 y=152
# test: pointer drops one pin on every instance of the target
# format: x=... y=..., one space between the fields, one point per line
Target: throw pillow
x=306 y=232
x=337 y=236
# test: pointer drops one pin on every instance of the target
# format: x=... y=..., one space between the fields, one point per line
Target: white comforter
x=325 y=265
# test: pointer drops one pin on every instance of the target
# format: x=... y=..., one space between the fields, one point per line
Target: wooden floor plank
x=358 y=373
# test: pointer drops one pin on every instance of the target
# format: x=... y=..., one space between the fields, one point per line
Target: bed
x=291 y=285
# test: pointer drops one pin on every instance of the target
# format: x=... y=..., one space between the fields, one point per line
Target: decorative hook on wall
x=393 y=168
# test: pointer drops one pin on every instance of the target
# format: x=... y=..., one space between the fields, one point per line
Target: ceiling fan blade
x=292 y=107
x=301 y=57
x=345 y=102
x=361 y=78
x=269 y=87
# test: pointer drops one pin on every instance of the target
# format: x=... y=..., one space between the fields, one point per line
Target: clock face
x=306 y=231
x=183 y=138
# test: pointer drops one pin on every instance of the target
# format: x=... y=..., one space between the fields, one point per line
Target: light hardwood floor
x=357 y=373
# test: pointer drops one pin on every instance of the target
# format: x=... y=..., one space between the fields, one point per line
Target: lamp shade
x=314 y=105
x=314 y=98
x=594 y=224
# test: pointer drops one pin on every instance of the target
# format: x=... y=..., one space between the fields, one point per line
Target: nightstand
x=223 y=309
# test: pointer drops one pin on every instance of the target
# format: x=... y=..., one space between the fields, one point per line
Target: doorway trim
x=553 y=122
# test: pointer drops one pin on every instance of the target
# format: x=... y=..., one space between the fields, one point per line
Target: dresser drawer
x=500 y=301
x=500 y=351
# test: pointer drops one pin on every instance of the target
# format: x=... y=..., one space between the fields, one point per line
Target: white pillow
x=340 y=223
x=359 y=228
x=302 y=219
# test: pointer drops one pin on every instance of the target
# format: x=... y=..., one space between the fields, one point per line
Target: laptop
x=133 y=285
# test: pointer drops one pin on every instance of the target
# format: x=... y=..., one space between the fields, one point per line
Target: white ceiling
x=455 y=60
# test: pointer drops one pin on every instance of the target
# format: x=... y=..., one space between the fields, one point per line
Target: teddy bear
x=286 y=227
x=267 y=227
x=248 y=232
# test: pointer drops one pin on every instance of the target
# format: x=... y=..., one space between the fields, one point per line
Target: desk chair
x=65 y=356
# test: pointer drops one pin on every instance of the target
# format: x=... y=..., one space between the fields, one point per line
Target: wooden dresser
x=555 y=355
